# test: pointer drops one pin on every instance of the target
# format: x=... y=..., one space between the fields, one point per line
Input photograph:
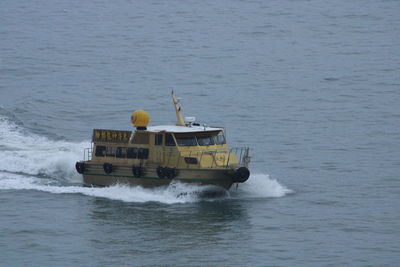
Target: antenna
x=179 y=117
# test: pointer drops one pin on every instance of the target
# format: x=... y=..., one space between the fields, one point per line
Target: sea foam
x=261 y=185
x=24 y=152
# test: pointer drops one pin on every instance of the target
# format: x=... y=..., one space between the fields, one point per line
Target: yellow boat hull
x=95 y=175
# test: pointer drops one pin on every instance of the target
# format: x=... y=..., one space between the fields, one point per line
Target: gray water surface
x=313 y=87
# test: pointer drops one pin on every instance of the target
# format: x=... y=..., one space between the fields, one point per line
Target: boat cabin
x=177 y=146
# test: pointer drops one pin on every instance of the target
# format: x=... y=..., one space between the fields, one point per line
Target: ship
x=151 y=156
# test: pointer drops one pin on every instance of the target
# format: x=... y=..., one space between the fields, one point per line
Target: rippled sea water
x=313 y=87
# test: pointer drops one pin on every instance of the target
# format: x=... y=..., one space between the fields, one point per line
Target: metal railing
x=205 y=158
x=196 y=158
x=243 y=155
x=87 y=153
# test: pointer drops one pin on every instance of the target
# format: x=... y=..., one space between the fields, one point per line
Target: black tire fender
x=170 y=173
x=108 y=168
x=80 y=167
x=136 y=171
x=160 y=172
x=241 y=175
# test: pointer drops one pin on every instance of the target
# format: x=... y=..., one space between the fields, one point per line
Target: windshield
x=205 y=139
x=220 y=139
x=200 y=138
x=185 y=139
x=169 y=140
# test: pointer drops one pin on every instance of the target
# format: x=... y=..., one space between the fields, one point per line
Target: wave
x=28 y=153
x=261 y=185
x=258 y=186
x=172 y=194
x=167 y=195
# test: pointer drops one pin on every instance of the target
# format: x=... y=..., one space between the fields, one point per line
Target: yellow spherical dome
x=140 y=118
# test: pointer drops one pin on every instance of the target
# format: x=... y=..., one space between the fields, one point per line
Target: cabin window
x=121 y=152
x=220 y=139
x=131 y=153
x=141 y=138
x=185 y=139
x=158 y=139
x=110 y=151
x=169 y=140
x=205 y=139
x=100 y=151
x=143 y=153
x=190 y=160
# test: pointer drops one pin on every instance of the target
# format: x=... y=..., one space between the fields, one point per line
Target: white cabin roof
x=182 y=129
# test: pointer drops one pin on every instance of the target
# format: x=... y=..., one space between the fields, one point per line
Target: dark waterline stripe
x=157 y=178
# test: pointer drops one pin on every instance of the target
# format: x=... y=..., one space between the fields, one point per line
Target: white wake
x=28 y=153
x=175 y=193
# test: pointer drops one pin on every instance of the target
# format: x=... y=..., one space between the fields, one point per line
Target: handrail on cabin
x=241 y=153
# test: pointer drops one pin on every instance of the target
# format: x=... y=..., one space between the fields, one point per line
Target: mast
x=179 y=117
